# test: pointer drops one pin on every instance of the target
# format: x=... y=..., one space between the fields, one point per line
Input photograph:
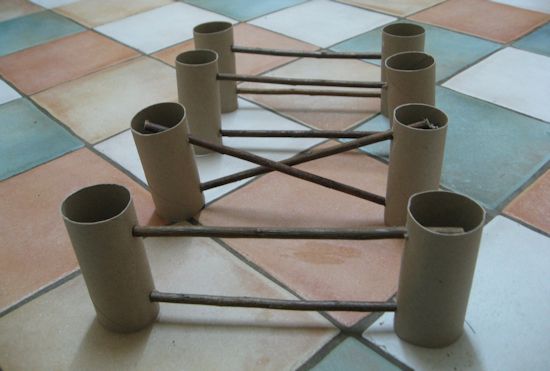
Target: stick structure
x=248 y=302
x=304 y=53
x=296 y=133
x=330 y=93
x=291 y=81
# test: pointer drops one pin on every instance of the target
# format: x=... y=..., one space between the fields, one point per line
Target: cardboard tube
x=416 y=158
x=437 y=269
x=198 y=91
x=398 y=38
x=410 y=78
x=168 y=162
x=114 y=265
x=218 y=36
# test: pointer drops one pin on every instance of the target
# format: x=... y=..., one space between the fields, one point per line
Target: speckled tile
x=92 y=13
x=247 y=35
x=352 y=270
x=121 y=148
x=34 y=29
x=487 y=19
x=537 y=41
x=452 y=51
x=332 y=113
x=511 y=78
x=505 y=329
x=62 y=60
x=533 y=204
x=7 y=93
x=536 y=5
x=400 y=8
x=61 y=329
x=243 y=10
x=30 y=138
x=322 y=22
x=102 y=104
x=483 y=143
x=166 y=26
x=16 y=8
x=34 y=248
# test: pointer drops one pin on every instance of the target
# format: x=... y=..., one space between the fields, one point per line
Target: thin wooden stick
x=295 y=133
x=248 y=302
x=304 y=53
x=291 y=81
x=331 y=93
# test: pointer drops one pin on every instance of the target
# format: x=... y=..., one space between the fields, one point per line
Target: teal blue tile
x=34 y=29
x=30 y=138
x=244 y=10
x=351 y=355
x=490 y=151
x=537 y=42
x=452 y=51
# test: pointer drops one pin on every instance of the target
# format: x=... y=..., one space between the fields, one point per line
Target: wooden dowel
x=248 y=302
x=283 y=168
x=295 y=133
x=372 y=233
x=154 y=127
x=331 y=93
x=304 y=53
x=292 y=81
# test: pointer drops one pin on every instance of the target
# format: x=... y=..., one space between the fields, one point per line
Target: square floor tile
x=166 y=26
x=16 y=8
x=102 y=104
x=533 y=204
x=121 y=148
x=502 y=331
x=400 y=8
x=243 y=10
x=511 y=78
x=30 y=138
x=334 y=113
x=7 y=93
x=52 y=3
x=484 y=143
x=61 y=329
x=247 y=35
x=69 y=58
x=327 y=269
x=536 y=41
x=487 y=19
x=93 y=13
x=35 y=248
x=452 y=51
x=536 y=5
x=322 y=22
x=34 y=29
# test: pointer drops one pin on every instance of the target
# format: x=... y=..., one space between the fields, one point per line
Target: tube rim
x=213 y=57
x=386 y=29
x=406 y=125
x=392 y=58
x=227 y=26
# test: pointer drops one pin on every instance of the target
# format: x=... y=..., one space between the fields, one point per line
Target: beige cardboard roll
x=218 y=36
x=114 y=265
x=198 y=91
x=416 y=158
x=168 y=162
x=436 y=268
x=410 y=78
x=398 y=38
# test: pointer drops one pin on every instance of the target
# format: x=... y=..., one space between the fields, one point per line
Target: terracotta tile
x=533 y=204
x=247 y=35
x=323 y=112
x=61 y=329
x=323 y=269
x=102 y=104
x=487 y=19
x=62 y=60
x=93 y=13
x=34 y=248
x=400 y=7
x=16 y=8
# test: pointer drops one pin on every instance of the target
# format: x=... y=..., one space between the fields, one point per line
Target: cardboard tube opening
x=197 y=57
x=166 y=114
x=404 y=30
x=407 y=114
x=410 y=61
x=96 y=204
x=212 y=27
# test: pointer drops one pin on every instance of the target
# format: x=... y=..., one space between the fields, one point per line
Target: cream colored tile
x=396 y=7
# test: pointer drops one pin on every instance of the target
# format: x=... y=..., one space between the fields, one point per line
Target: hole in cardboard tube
x=212 y=27
x=197 y=57
x=404 y=29
x=168 y=114
x=409 y=61
x=410 y=113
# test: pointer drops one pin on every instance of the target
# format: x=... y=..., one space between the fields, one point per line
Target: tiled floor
x=74 y=72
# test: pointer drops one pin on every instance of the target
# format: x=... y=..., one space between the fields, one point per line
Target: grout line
x=322 y=352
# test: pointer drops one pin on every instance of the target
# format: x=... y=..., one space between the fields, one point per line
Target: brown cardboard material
x=416 y=158
x=114 y=265
x=218 y=36
x=410 y=78
x=198 y=91
x=437 y=269
x=398 y=38
x=168 y=162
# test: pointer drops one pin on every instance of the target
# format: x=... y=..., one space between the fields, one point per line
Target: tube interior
x=409 y=61
x=446 y=209
x=168 y=114
x=410 y=113
x=197 y=57
x=95 y=204
x=212 y=27
x=404 y=29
